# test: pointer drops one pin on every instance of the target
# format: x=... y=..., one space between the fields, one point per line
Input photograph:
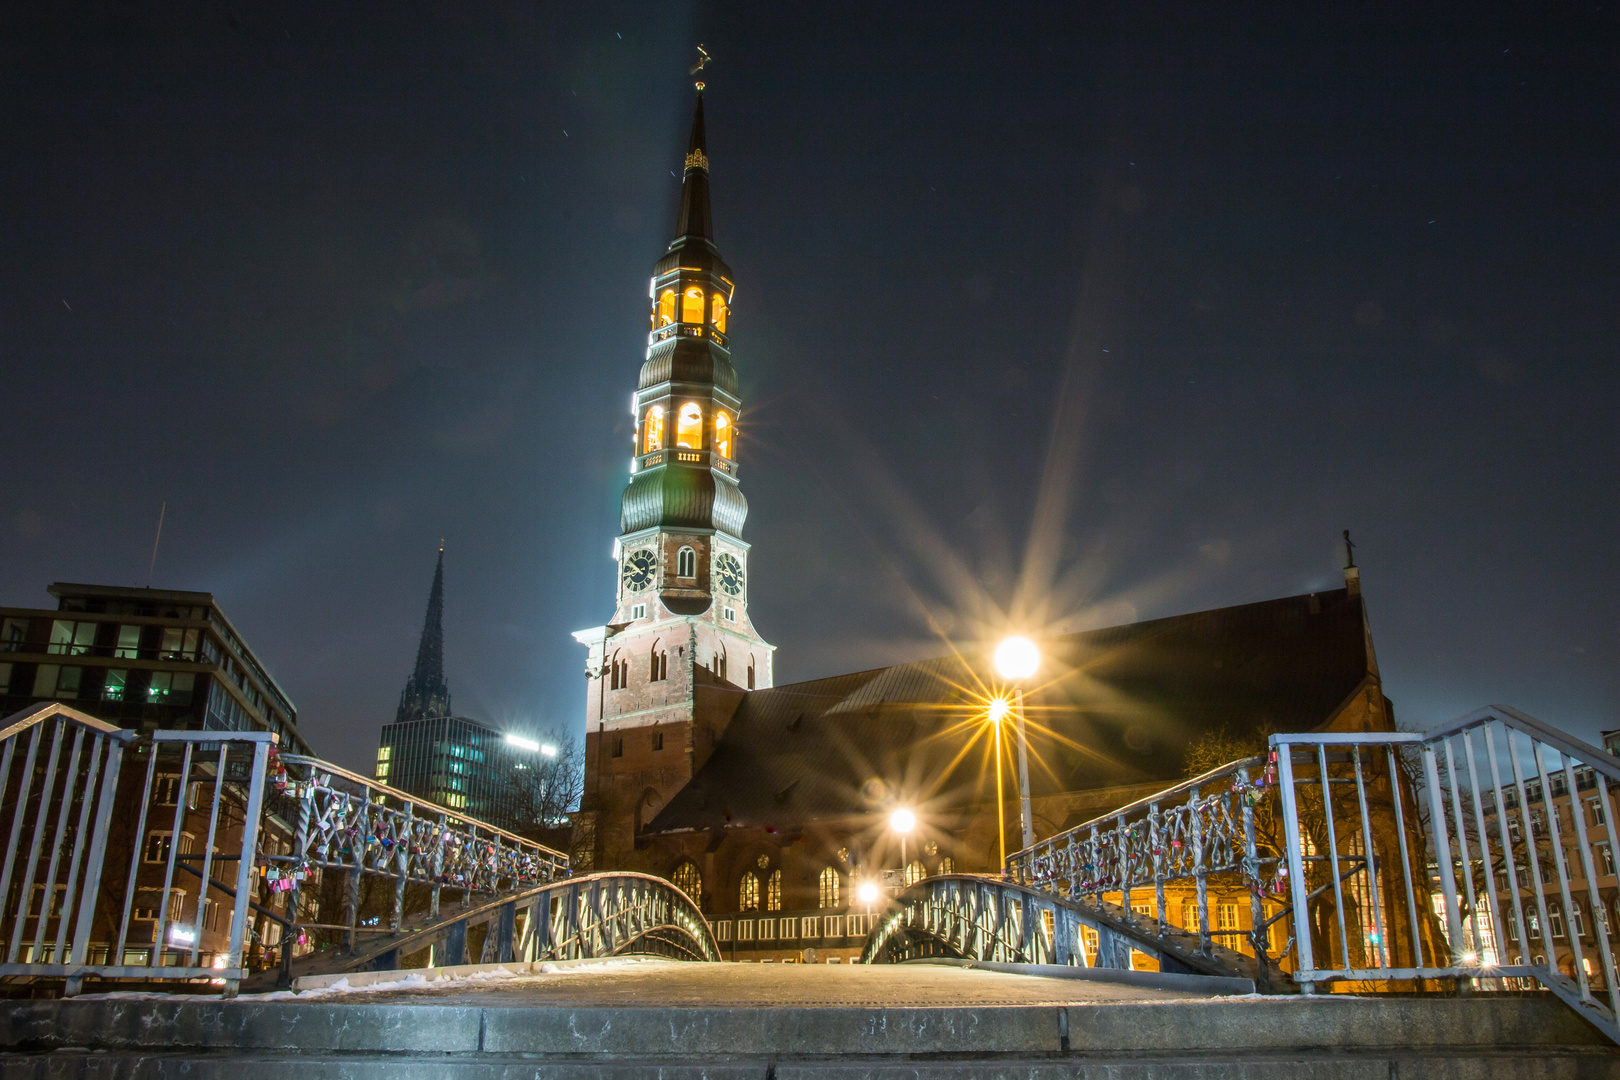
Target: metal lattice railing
x=1192 y=832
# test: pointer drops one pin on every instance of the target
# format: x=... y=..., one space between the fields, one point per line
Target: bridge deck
x=671 y=984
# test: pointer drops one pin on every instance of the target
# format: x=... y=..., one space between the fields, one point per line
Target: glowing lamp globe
x=867 y=893
x=1017 y=658
x=902 y=820
x=999 y=708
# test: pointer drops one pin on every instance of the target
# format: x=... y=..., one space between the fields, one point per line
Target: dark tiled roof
x=1112 y=706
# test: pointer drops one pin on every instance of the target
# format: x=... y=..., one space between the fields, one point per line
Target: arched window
x=686 y=563
x=652 y=430
x=829 y=888
x=717 y=312
x=666 y=307
x=619 y=673
x=689 y=427
x=689 y=881
x=659 y=667
x=750 y=673
x=692 y=306
x=722 y=433
x=947 y=865
x=915 y=872
x=773 y=892
x=748 y=892
x=719 y=664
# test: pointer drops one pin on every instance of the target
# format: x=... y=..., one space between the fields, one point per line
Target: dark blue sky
x=335 y=284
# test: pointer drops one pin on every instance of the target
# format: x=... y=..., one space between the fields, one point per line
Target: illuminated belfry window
x=652 y=428
x=748 y=892
x=717 y=310
x=689 y=427
x=692 y=306
x=722 y=433
x=666 y=307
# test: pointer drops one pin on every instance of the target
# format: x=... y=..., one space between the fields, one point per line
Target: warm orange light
x=718 y=312
x=652 y=437
x=999 y=708
x=692 y=306
x=722 y=433
x=689 y=427
x=666 y=307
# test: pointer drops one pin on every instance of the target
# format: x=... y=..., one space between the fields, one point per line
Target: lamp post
x=902 y=821
x=1017 y=659
x=998 y=712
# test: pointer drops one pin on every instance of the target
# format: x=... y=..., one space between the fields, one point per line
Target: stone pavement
x=618 y=1020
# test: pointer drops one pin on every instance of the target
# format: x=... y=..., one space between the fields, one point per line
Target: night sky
x=1127 y=312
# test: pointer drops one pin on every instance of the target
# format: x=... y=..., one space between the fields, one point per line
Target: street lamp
x=1017 y=659
x=999 y=708
x=902 y=821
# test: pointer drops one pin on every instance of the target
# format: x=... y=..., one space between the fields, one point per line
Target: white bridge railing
x=1480 y=853
x=179 y=856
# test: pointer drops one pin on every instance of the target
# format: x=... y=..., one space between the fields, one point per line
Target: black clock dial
x=729 y=572
x=639 y=567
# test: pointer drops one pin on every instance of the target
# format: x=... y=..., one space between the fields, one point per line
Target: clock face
x=729 y=572
x=639 y=567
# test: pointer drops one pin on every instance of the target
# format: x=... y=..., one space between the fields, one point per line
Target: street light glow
x=867 y=892
x=999 y=708
x=547 y=750
x=522 y=744
x=902 y=820
x=1017 y=658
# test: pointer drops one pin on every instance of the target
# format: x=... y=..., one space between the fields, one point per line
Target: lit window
x=687 y=879
x=947 y=865
x=689 y=428
x=829 y=888
x=158 y=690
x=717 y=311
x=686 y=563
x=1226 y=917
x=652 y=430
x=773 y=892
x=748 y=893
x=666 y=307
x=915 y=872
x=692 y=306
x=722 y=433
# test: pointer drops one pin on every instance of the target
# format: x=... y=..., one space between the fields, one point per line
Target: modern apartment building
x=143 y=659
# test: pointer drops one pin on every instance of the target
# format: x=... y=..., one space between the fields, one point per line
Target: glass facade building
x=455 y=762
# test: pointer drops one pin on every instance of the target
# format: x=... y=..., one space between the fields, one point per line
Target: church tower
x=426 y=693
x=665 y=674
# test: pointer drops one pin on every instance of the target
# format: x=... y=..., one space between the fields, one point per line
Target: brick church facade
x=769 y=804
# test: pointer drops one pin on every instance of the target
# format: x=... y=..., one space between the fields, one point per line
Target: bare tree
x=547 y=789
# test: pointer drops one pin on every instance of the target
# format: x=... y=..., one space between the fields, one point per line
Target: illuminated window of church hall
x=829 y=888
x=689 y=427
x=666 y=307
x=748 y=892
x=687 y=879
x=718 y=309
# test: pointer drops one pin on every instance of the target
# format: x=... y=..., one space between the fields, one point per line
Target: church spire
x=426 y=693
x=694 y=218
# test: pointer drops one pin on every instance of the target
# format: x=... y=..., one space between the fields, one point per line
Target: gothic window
x=659 y=668
x=688 y=880
x=686 y=563
x=722 y=433
x=829 y=888
x=947 y=865
x=658 y=740
x=748 y=892
x=652 y=430
x=689 y=427
x=750 y=673
x=719 y=667
x=773 y=892
x=666 y=307
x=915 y=872
x=619 y=672
x=618 y=746
x=692 y=306
x=718 y=312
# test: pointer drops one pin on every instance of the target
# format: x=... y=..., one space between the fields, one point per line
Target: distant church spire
x=426 y=693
